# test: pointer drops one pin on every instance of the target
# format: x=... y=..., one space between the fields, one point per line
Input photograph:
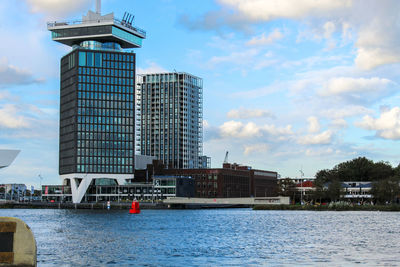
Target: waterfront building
x=12 y=191
x=170 y=119
x=230 y=181
x=357 y=191
x=108 y=190
x=97 y=88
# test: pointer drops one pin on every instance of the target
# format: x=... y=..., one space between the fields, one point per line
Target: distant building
x=97 y=91
x=231 y=181
x=12 y=191
x=357 y=190
x=108 y=190
x=169 y=108
x=17 y=188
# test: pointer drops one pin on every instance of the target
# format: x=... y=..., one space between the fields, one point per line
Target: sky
x=288 y=85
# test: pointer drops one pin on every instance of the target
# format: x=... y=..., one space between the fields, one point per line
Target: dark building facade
x=97 y=112
x=97 y=100
x=231 y=181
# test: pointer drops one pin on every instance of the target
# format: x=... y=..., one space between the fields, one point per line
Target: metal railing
x=116 y=21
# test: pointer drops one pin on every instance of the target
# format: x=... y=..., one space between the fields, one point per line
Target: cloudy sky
x=288 y=85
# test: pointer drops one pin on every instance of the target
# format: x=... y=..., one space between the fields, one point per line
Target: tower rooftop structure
x=95 y=27
x=97 y=89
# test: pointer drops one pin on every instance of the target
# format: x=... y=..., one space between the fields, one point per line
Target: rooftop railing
x=116 y=21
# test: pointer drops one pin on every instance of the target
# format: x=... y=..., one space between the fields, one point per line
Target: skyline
x=295 y=85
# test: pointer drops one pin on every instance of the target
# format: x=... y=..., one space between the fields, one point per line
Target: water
x=221 y=237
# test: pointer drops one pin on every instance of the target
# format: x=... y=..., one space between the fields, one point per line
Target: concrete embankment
x=172 y=203
x=46 y=205
x=329 y=208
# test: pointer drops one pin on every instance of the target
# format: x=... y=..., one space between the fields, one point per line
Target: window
x=82 y=59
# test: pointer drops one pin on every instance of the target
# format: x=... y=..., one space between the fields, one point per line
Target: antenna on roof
x=130 y=22
x=98 y=7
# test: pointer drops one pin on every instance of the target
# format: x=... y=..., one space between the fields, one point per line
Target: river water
x=213 y=237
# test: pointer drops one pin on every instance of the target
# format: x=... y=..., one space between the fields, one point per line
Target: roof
x=305 y=184
x=97 y=28
x=7 y=156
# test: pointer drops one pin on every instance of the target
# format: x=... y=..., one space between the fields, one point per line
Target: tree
x=334 y=190
x=358 y=169
x=287 y=188
x=386 y=190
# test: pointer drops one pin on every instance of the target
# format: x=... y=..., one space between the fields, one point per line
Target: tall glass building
x=97 y=95
x=170 y=119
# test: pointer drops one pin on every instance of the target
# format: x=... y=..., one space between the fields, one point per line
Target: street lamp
x=41 y=178
x=301 y=186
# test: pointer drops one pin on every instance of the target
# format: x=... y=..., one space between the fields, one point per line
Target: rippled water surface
x=233 y=237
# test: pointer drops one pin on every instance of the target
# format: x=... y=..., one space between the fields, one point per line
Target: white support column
x=78 y=192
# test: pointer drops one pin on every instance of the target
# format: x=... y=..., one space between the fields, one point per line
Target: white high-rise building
x=169 y=119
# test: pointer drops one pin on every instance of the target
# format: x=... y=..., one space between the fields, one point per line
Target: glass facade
x=169 y=121
x=97 y=112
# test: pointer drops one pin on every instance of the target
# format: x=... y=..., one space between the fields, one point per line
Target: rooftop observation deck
x=98 y=28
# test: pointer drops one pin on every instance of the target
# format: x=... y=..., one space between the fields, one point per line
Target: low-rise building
x=230 y=181
x=102 y=190
x=357 y=190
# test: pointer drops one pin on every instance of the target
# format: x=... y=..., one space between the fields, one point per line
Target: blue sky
x=288 y=85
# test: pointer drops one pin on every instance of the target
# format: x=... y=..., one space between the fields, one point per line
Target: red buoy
x=135 y=209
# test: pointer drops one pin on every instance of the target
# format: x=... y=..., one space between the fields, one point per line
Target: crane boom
x=226 y=157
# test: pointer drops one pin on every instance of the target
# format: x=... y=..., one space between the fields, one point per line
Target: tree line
x=385 y=181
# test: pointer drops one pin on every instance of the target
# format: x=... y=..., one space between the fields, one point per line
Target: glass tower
x=170 y=119
x=97 y=111
x=97 y=96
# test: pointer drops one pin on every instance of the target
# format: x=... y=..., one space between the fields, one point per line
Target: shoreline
x=161 y=206
x=114 y=206
x=392 y=208
x=92 y=206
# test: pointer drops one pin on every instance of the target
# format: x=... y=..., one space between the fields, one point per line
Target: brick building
x=230 y=181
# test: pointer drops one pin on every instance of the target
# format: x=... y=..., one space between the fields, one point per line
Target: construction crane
x=226 y=157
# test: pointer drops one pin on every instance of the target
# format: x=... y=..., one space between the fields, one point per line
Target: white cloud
x=243 y=113
x=239 y=130
x=373 y=24
x=318 y=153
x=256 y=148
x=266 y=40
x=387 y=126
x=11 y=75
x=152 y=67
x=11 y=119
x=317 y=139
x=339 y=123
x=346 y=85
x=313 y=124
x=345 y=112
x=256 y=10
x=59 y=7
x=329 y=29
x=358 y=90
x=281 y=132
